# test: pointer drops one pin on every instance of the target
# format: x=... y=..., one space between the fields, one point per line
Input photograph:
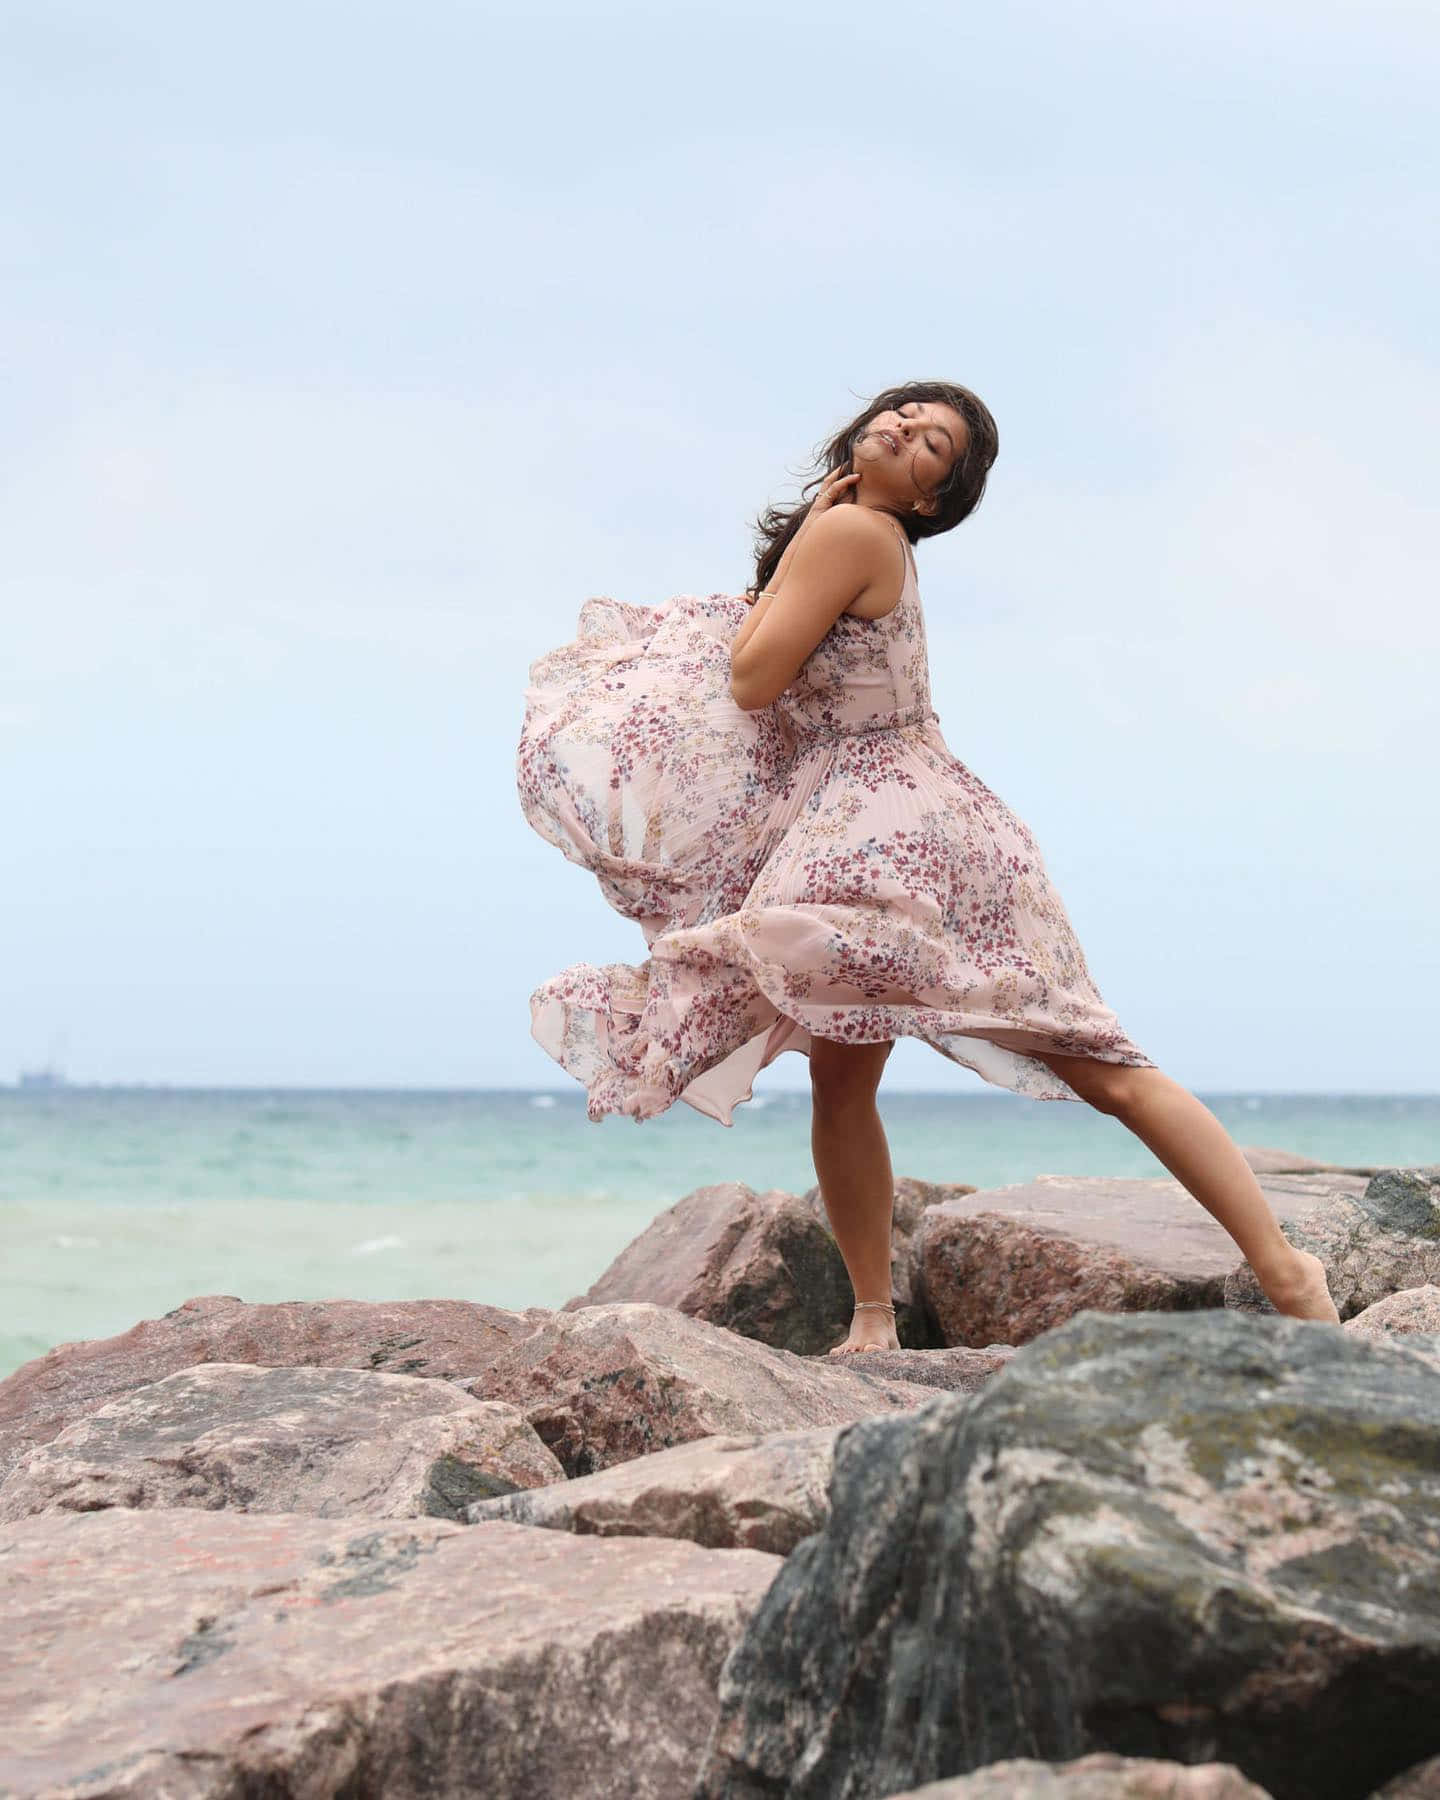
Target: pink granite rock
x=339 y=1443
x=1403 y=1314
x=757 y=1492
x=203 y=1654
x=437 y=1339
x=1265 y=1160
x=765 y=1265
x=1103 y=1775
x=1005 y=1264
x=607 y=1383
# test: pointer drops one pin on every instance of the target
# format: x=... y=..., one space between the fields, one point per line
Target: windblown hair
x=957 y=497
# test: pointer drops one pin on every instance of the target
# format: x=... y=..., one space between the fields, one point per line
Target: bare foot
x=870 y=1329
x=1301 y=1291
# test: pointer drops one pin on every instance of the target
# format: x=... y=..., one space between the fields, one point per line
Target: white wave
x=75 y=1243
x=368 y=1246
x=542 y=1100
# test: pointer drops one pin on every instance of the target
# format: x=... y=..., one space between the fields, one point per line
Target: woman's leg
x=1198 y=1151
x=852 y=1164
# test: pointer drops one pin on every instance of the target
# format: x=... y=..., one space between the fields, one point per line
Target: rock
x=1411 y=1316
x=959 y=1370
x=1410 y=1312
x=1378 y=1242
x=437 y=1339
x=758 y=1492
x=607 y=1383
x=1420 y=1783
x=212 y=1655
x=1199 y=1538
x=1405 y=1201
x=765 y=1265
x=338 y=1443
x=1003 y=1265
x=1101 y=1776
x=1267 y=1161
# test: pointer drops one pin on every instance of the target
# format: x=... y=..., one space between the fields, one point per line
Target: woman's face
x=904 y=454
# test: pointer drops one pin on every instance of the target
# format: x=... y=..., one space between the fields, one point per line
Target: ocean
x=119 y=1203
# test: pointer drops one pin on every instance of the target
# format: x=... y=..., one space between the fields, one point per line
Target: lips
x=888 y=437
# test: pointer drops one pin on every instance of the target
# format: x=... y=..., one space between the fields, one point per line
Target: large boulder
x=1103 y=1776
x=765 y=1265
x=436 y=1339
x=1383 y=1240
x=758 y=1492
x=339 y=1443
x=608 y=1383
x=210 y=1655
x=1003 y=1265
x=1204 y=1537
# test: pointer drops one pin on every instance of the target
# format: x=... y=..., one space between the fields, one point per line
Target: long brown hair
x=957 y=496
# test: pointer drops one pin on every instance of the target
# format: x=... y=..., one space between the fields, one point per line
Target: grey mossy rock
x=338 y=1443
x=212 y=1656
x=1101 y=1776
x=1382 y=1241
x=765 y=1265
x=1198 y=1538
x=1405 y=1201
x=440 y=1340
x=758 y=1492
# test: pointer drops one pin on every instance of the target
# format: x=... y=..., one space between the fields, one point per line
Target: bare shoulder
x=867 y=539
x=854 y=527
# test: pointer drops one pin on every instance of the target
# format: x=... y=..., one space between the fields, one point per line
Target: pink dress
x=821 y=867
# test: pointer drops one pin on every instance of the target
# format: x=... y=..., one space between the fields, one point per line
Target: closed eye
x=930 y=444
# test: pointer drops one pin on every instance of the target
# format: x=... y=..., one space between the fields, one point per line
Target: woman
x=761 y=783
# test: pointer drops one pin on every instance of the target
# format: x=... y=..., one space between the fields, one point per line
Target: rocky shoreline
x=1106 y=1526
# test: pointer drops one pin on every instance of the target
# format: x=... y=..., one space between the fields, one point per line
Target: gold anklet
x=879 y=1305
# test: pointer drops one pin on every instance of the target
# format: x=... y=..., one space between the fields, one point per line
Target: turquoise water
x=120 y=1203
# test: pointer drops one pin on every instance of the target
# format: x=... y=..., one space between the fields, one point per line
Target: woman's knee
x=1108 y=1087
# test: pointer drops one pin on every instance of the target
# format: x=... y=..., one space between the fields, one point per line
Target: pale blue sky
x=350 y=347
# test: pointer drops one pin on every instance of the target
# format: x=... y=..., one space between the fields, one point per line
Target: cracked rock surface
x=435 y=1339
x=338 y=1443
x=214 y=1655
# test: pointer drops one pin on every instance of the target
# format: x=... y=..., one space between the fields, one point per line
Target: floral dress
x=822 y=867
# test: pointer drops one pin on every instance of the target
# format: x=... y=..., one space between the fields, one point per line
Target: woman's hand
x=836 y=486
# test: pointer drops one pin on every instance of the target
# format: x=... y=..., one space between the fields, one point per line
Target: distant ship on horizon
x=48 y=1077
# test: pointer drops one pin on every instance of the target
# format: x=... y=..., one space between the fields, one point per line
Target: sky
x=350 y=348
